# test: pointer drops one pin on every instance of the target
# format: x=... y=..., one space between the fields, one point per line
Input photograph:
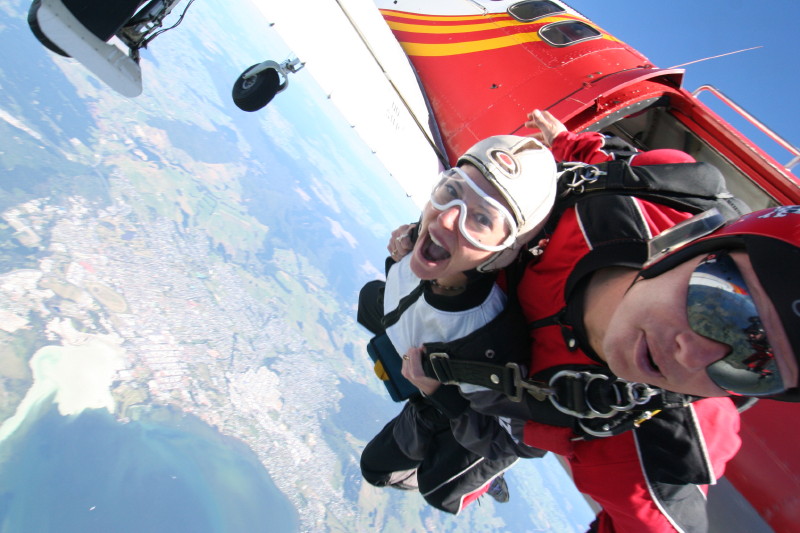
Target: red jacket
x=651 y=478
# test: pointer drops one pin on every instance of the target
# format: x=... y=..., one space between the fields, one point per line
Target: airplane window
x=567 y=33
x=533 y=9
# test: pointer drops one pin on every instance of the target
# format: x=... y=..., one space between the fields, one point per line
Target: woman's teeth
x=434 y=251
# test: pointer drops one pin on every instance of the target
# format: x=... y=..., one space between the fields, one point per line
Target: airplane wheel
x=33 y=22
x=254 y=93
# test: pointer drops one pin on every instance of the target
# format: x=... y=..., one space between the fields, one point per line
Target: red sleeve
x=586 y=147
x=609 y=471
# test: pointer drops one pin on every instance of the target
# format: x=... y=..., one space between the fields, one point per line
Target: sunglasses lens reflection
x=720 y=307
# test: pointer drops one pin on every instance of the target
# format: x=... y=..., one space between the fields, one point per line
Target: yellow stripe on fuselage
x=467 y=28
x=448 y=49
x=463 y=28
x=451 y=49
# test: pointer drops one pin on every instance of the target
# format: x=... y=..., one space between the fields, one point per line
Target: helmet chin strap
x=486 y=266
x=474 y=275
x=498 y=260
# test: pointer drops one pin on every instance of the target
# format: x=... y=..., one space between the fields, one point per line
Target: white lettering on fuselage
x=782 y=211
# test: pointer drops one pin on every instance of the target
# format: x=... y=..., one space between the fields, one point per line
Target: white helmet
x=524 y=172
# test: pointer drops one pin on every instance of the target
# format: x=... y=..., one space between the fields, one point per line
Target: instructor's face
x=650 y=339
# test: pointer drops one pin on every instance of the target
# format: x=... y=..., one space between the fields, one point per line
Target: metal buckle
x=638 y=394
x=633 y=394
x=586 y=396
x=582 y=174
x=580 y=376
x=605 y=431
x=434 y=358
x=521 y=385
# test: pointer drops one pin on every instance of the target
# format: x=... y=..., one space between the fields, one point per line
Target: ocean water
x=164 y=472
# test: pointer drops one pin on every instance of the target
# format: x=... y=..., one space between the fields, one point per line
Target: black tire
x=256 y=92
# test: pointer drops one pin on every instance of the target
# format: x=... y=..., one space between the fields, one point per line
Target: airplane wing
x=350 y=51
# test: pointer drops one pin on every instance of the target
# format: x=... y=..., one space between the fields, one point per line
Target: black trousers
x=417 y=450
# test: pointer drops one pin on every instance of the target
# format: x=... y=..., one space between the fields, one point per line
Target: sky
x=763 y=81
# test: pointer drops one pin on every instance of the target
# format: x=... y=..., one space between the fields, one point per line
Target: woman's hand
x=548 y=126
x=412 y=371
x=400 y=243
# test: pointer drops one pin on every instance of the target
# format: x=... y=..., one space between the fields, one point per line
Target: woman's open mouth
x=433 y=251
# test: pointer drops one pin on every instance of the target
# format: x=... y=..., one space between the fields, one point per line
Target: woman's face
x=442 y=252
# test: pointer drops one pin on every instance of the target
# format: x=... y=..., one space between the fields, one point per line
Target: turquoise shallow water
x=166 y=472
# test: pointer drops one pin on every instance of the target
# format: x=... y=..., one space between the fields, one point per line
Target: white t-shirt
x=422 y=322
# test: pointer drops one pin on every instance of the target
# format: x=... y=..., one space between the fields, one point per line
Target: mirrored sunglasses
x=720 y=308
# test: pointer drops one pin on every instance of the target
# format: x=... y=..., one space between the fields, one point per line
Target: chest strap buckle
x=594 y=395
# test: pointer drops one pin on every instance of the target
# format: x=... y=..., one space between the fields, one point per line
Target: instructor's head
x=716 y=310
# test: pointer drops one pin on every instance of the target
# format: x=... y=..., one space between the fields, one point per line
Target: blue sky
x=762 y=81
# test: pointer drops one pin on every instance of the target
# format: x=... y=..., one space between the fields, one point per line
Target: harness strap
x=602 y=403
x=691 y=187
x=558 y=319
x=501 y=378
x=391 y=318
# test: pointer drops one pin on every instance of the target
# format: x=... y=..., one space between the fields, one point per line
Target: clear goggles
x=720 y=307
x=483 y=221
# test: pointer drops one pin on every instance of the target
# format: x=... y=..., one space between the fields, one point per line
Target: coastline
x=76 y=375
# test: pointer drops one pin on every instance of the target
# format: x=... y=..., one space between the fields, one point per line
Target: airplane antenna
x=715 y=57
